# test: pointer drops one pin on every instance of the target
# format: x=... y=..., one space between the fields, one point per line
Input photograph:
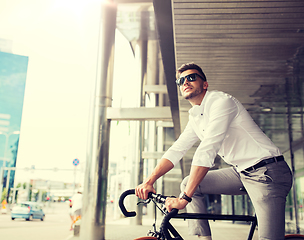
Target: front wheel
x=294 y=236
x=146 y=238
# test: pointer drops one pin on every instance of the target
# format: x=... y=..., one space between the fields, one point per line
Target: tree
x=3 y=194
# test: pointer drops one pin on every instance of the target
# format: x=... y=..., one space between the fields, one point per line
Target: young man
x=224 y=127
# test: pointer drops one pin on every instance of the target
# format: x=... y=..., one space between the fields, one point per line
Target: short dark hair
x=191 y=65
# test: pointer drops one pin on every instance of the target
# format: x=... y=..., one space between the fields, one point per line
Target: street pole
x=74 y=179
x=7 y=183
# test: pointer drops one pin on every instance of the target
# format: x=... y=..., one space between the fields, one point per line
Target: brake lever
x=144 y=201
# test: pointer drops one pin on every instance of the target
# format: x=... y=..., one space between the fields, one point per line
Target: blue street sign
x=75 y=162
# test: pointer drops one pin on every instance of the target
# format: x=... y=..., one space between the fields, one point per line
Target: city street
x=55 y=226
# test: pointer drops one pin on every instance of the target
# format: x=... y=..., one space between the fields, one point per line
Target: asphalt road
x=55 y=226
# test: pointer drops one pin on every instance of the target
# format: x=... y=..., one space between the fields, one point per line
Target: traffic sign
x=75 y=162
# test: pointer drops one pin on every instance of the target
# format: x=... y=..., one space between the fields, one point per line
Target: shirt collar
x=198 y=109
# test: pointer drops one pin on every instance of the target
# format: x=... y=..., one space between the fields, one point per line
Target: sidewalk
x=121 y=230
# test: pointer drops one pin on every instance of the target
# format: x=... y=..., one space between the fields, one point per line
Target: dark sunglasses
x=190 y=78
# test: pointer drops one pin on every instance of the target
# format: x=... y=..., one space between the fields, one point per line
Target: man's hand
x=177 y=203
x=143 y=189
x=162 y=167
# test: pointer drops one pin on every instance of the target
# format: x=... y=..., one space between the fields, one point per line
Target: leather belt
x=265 y=162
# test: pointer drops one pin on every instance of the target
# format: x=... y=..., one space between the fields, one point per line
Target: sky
x=60 y=38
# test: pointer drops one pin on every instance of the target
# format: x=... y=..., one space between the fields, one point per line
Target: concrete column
x=152 y=79
x=290 y=134
x=96 y=173
x=142 y=54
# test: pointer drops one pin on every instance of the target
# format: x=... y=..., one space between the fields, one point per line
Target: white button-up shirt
x=224 y=127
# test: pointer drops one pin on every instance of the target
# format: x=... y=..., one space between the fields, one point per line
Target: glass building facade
x=13 y=70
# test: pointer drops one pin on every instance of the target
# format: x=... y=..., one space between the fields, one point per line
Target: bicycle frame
x=166 y=228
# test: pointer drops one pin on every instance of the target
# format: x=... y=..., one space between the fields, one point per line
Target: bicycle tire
x=294 y=237
x=146 y=238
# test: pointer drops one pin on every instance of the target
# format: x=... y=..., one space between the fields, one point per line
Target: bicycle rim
x=146 y=238
x=294 y=237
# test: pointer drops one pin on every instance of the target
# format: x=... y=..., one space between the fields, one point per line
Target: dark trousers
x=267 y=188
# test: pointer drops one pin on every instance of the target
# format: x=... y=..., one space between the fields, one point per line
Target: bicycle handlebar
x=157 y=197
x=122 y=206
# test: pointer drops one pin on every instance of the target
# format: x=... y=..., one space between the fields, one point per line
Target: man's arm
x=174 y=153
x=162 y=167
x=197 y=174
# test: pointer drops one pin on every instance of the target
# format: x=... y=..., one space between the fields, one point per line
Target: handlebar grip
x=173 y=212
x=122 y=206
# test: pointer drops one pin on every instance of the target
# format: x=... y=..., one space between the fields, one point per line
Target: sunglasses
x=190 y=78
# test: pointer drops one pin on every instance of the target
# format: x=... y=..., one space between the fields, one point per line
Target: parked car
x=27 y=210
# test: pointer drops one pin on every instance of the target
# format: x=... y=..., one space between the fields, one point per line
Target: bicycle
x=167 y=232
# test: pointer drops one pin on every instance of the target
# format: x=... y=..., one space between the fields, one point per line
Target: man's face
x=193 y=90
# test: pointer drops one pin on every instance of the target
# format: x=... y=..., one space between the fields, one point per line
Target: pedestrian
x=76 y=201
x=224 y=127
x=3 y=206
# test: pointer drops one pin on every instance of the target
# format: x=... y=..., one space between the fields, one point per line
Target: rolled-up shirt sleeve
x=181 y=145
x=220 y=113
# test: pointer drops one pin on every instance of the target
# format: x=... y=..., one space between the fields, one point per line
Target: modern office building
x=13 y=70
x=252 y=51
